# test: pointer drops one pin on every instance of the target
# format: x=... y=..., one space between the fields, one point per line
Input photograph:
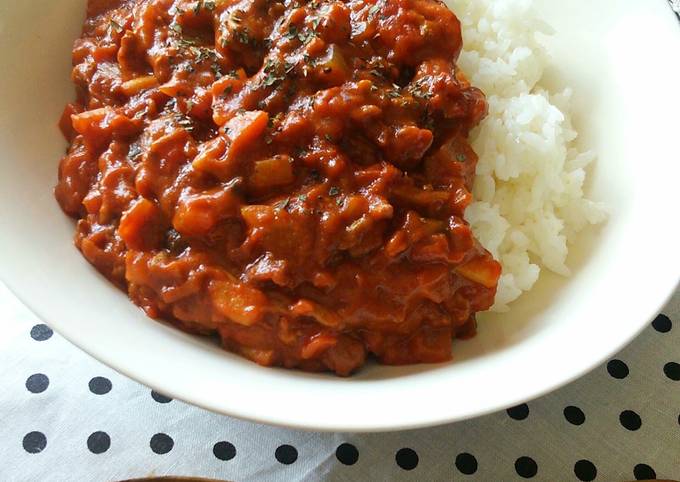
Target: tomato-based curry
x=289 y=175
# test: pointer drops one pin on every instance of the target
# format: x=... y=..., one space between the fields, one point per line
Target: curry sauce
x=288 y=175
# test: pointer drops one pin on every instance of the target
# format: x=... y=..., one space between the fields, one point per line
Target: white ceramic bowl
x=620 y=56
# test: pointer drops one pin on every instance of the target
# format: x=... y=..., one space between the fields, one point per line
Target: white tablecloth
x=66 y=417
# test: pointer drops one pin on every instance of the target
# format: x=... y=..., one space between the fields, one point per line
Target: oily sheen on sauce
x=288 y=176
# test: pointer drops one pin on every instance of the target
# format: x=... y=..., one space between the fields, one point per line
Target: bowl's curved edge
x=280 y=419
x=280 y=422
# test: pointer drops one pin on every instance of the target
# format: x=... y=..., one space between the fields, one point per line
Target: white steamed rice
x=529 y=199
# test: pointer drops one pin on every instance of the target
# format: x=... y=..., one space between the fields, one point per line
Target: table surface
x=65 y=416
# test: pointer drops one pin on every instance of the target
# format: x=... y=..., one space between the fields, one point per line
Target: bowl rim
x=279 y=418
x=278 y=421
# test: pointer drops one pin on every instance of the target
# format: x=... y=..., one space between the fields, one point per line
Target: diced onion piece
x=317 y=345
x=277 y=171
x=415 y=196
x=314 y=310
x=332 y=69
x=254 y=214
x=484 y=271
x=237 y=302
x=261 y=357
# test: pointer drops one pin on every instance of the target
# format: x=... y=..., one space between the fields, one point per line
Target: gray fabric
x=675 y=5
x=67 y=412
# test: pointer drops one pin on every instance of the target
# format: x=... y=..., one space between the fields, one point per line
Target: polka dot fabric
x=73 y=418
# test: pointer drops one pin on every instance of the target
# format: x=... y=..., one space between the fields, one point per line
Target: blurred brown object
x=170 y=478
x=194 y=479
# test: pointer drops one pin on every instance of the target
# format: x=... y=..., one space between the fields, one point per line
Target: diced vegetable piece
x=397 y=244
x=244 y=129
x=460 y=239
x=135 y=86
x=277 y=171
x=355 y=232
x=177 y=88
x=316 y=311
x=261 y=357
x=222 y=91
x=198 y=213
x=432 y=226
x=140 y=225
x=332 y=69
x=228 y=84
x=85 y=121
x=254 y=214
x=408 y=145
x=221 y=156
x=418 y=197
x=239 y=303
x=65 y=122
x=484 y=271
x=99 y=125
x=272 y=229
x=209 y=157
x=318 y=344
x=414 y=229
x=431 y=249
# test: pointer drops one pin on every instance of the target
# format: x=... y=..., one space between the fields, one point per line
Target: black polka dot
x=574 y=415
x=286 y=454
x=644 y=472
x=466 y=463
x=407 y=458
x=526 y=467
x=662 y=323
x=672 y=370
x=520 y=412
x=41 y=332
x=617 y=369
x=585 y=470
x=37 y=383
x=347 y=454
x=160 y=398
x=161 y=443
x=34 y=442
x=630 y=420
x=100 y=385
x=98 y=442
x=224 y=450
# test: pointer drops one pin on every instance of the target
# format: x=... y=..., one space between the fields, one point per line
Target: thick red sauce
x=290 y=176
